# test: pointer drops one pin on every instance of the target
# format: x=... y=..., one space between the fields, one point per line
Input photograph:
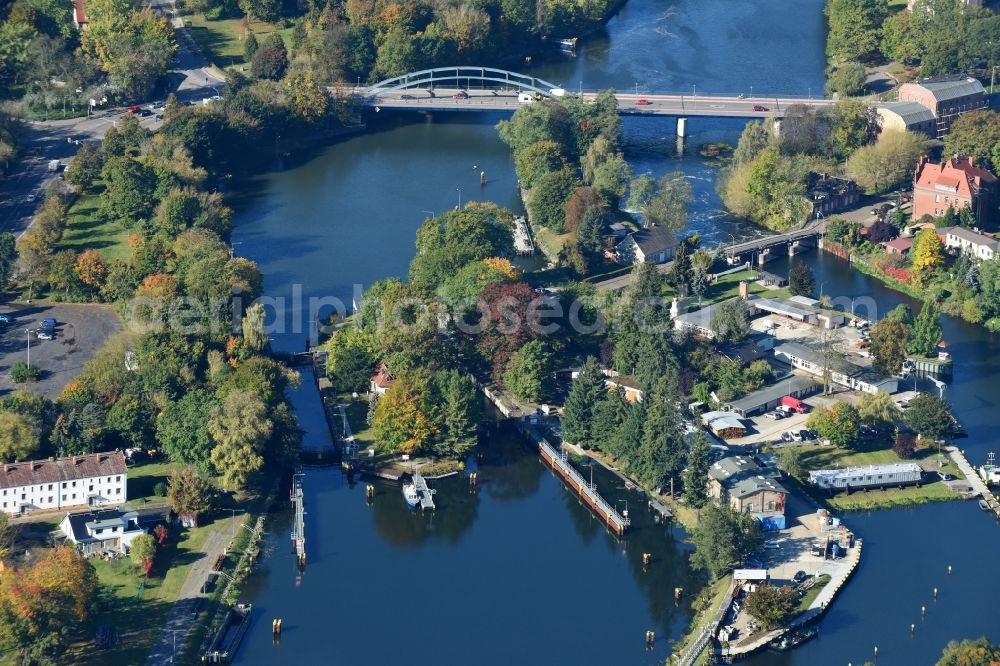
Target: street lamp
x=28 y=332
x=732 y=250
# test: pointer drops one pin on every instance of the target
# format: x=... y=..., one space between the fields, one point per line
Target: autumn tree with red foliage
x=510 y=318
x=905 y=445
x=38 y=604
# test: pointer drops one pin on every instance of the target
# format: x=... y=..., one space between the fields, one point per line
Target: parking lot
x=80 y=331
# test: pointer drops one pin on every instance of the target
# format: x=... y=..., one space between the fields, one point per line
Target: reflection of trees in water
x=457 y=507
x=669 y=567
x=507 y=468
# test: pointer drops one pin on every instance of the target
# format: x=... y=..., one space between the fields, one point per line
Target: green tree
x=696 y=473
x=609 y=416
x=771 y=606
x=979 y=652
x=529 y=373
x=669 y=205
x=731 y=321
x=578 y=411
x=790 y=460
x=846 y=79
x=878 y=408
x=537 y=160
x=8 y=257
x=261 y=10
x=190 y=493
x=853 y=124
x=611 y=179
x=723 y=539
x=350 y=358
x=681 y=273
x=401 y=423
x=975 y=134
x=841 y=424
x=880 y=166
x=926 y=330
x=854 y=29
x=240 y=429
x=548 y=197
x=930 y=417
x=86 y=167
x=182 y=429
x=461 y=416
x=142 y=552
x=889 y=339
x=641 y=192
x=129 y=184
x=8 y=534
x=800 y=279
x=755 y=137
x=662 y=452
x=250 y=46
x=254 y=330
x=18 y=437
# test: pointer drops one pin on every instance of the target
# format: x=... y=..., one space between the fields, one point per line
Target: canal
x=519 y=570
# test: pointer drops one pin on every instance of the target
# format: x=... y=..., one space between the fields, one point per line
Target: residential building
x=871 y=476
x=970 y=3
x=971 y=243
x=381 y=380
x=79 y=14
x=907 y=116
x=656 y=244
x=747 y=487
x=955 y=183
x=103 y=530
x=769 y=397
x=842 y=372
x=92 y=480
x=947 y=98
x=829 y=194
x=899 y=245
x=631 y=388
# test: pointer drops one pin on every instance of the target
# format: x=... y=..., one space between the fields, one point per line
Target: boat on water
x=793 y=639
x=984 y=505
x=410 y=495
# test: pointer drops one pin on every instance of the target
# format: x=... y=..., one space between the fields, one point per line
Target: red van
x=794 y=404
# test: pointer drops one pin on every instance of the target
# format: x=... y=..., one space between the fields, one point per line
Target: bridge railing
x=459 y=73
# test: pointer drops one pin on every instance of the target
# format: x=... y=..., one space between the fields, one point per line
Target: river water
x=519 y=571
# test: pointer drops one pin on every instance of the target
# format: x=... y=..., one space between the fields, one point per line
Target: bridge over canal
x=473 y=89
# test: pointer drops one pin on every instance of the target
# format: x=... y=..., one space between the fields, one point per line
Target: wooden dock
x=522 y=237
x=299 y=526
x=588 y=492
x=979 y=486
x=424 y=492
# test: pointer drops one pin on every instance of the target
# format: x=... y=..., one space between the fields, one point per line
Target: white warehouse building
x=870 y=476
x=97 y=479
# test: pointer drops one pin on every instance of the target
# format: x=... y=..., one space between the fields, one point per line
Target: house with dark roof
x=954 y=183
x=842 y=372
x=747 y=487
x=970 y=242
x=104 y=530
x=656 y=244
x=92 y=480
x=947 y=97
x=829 y=194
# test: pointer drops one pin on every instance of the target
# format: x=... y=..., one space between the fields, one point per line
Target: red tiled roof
x=79 y=12
x=959 y=174
x=901 y=244
x=28 y=473
x=382 y=377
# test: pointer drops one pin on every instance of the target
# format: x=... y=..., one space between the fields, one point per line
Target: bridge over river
x=483 y=89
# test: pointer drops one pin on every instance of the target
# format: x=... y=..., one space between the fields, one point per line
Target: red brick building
x=946 y=97
x=954 y=183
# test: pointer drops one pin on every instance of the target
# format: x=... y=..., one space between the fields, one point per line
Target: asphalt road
x=629 y=104
x=192 y=80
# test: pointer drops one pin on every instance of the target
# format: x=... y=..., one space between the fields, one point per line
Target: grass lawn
x=357 y=418
x=550 y=242
x=707 y=605
x=138 y=619
x=813 y=592
x=222 y=40
x=728 y=286
x=143 y=478
x=86 y=229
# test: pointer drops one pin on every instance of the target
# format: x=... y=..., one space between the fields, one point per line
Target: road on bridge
x=480 y=100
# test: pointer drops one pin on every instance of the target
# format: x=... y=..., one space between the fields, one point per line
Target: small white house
x=971 y=242
x=103 y=530
x=97 y=479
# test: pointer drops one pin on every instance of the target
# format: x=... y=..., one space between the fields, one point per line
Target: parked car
x=48 y=324
x=774 y=416
x=759 y=108
x=461 y=94
x=786 y=436
x=133 y=109
x=4 y=319
x=642 y=102
x=797 y=436
x=943 y=476
x=44 y=334
x=800 y=576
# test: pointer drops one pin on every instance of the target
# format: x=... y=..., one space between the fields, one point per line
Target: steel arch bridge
x=481 y=75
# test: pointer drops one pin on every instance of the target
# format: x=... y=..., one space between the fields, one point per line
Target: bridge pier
x=682 y=127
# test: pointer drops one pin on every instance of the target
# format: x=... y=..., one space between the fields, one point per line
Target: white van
x=525 y=98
